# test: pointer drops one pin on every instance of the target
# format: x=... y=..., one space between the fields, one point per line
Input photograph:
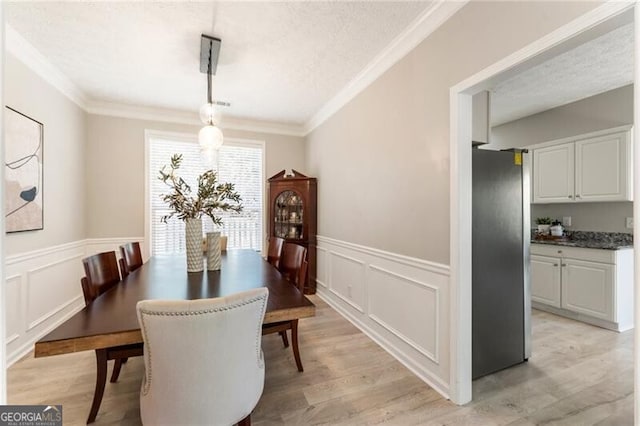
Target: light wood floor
x=578 y=375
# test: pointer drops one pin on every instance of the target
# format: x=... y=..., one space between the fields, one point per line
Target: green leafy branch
x=211 y=196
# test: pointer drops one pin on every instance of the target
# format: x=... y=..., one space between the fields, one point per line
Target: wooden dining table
x=111 y=319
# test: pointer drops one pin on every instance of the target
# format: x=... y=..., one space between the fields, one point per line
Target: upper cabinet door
x=603 y=168
x=553 y=174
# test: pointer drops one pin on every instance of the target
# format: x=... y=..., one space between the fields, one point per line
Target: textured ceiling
x=602 y=64
x=279 y=61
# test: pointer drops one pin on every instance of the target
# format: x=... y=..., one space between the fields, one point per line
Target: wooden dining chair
x=216 y=384
x=275 y=251
x=294 y=266
x=102 y=274
x=291 y=261
x=130 y=258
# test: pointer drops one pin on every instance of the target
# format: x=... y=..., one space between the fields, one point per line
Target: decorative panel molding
x=43 y=301
x=418 y=317
x=400 y=302
x=43 y=290
x=347 y=279
x=321 y=260
x=14 y=299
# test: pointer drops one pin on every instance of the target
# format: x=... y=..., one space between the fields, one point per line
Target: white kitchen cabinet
x=587 y=168
x=603 y=166
x=545 y=280
x=587 y=288
x=553 y=174
x=589 y=285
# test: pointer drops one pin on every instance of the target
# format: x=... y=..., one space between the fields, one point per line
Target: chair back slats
x=291 y=261
x=131 y=258
x=275 y=251
x=101 y=274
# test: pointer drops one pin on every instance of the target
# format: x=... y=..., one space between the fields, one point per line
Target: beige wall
x=604 y=111
x=64 y=150
x=599 y=112
x=115 y=169
x=382 y=161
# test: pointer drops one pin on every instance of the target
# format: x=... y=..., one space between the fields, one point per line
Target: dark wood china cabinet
x=292 y=215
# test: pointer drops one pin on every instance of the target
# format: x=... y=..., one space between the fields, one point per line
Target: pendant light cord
x=209 y=74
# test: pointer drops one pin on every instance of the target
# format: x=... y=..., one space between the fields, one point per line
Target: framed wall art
x=24 y=139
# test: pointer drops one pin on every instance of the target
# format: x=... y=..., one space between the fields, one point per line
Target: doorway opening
x=591 y=26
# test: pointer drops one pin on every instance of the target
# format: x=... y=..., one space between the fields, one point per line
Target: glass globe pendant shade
x=207 y=111
x=209 y=158
x=210 y=137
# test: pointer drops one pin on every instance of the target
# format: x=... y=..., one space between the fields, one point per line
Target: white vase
x=193 y=239
x=214 y=259
x=544 y=229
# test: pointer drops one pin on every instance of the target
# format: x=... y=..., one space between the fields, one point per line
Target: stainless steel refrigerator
x=501 y=301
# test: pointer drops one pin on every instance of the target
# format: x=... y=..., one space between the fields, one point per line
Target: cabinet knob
x=559 y=251
x=570 y=196
x=564 y=264
x=578 y=196
x=555 y=264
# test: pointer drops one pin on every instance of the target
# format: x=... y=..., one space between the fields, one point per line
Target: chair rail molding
x=400 y=302
x=43 y=289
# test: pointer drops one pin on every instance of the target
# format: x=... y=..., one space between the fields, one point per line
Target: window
x=238 y=163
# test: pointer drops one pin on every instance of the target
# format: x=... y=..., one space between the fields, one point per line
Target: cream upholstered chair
x=203 y=359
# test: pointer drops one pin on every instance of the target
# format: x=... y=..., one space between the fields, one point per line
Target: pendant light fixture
x=210 y=136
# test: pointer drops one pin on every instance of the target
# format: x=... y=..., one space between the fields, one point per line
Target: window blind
x=239 y=164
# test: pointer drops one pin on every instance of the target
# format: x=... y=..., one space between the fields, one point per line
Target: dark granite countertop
x=592 y=240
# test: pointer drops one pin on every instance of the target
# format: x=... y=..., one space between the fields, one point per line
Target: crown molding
x=32 y=58
x=24 y=51
x=258 y=126
x=425 y=24
x=114 y=109
x=419 y=30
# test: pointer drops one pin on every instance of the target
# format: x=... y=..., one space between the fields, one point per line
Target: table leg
x=101 y=379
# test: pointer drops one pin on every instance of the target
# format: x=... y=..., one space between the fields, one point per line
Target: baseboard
x=400 y=302
x=434 y=382
x=582 y=318
x=25 y=348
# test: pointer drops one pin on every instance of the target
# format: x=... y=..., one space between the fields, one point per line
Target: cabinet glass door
x=288 y=215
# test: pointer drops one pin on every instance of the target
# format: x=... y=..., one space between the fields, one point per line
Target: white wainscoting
x=43 y=290
x=402 y=303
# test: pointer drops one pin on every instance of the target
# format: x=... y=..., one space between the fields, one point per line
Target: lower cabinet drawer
x=592 y=255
